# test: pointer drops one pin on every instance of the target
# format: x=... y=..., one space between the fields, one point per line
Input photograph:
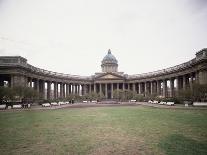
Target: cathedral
x=16 y=71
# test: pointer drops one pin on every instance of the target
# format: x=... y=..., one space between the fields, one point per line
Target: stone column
x=151 y=87
x=191 y=81
x=134 y=89
x=117 y=86
x=128 y=86
x=139 y=92
x=79 y=89
x=164 y=88
x=177 y=85
x=72 y=89
x=10 y=82
x=89 y=88
x=106 y=90
x=76 y=86
x=184 y=82
x=155 y=87
x=112 y=90
x=37 y=86
x=158 y=87
x=123 y=87
x=172 y=87
x=30 y=82
x=64 y=92
x=61 y=90
x=55 y=90
x=67 y=90
x=48 y=90
x=145 y=88
x=82 y=90
x=43 y=89
x=84 y=87
x=94 y=88
x=100 y=89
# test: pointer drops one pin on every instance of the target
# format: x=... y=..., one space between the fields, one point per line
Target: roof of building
x=109 y=58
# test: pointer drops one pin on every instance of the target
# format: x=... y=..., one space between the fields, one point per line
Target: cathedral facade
x=15 y=71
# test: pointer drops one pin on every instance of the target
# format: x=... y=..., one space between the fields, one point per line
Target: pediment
x=109 y=76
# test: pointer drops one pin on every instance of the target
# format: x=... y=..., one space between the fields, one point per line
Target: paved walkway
x=86 y=105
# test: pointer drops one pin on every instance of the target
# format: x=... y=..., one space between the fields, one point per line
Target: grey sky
x=72 y=36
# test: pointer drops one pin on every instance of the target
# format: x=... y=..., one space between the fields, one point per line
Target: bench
x=170 y=103
x=17 y=106
x=132 y=100
x=150 y=101
x=54 y=104
x=155 y=102
x=199 y=103
x=3 y=106
x=94 y=101
x=62 y=103
x=162 y=102
x=46 y=105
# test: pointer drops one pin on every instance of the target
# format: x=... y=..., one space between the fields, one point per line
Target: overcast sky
x=73 y=36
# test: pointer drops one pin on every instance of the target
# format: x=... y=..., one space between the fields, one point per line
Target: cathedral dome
x=109 y=58
x=109 y=63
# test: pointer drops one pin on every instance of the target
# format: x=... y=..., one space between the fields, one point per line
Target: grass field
x=104 y=130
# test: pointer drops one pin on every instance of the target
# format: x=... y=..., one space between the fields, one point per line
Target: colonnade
x=166 y=87
x=53 y=90
x=15 y=71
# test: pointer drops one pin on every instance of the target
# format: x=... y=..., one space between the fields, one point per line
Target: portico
x=107 y=87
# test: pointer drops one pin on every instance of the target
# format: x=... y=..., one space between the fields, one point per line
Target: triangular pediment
x=109 y=76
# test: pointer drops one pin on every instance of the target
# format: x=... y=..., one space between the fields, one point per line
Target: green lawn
x=104 y=130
